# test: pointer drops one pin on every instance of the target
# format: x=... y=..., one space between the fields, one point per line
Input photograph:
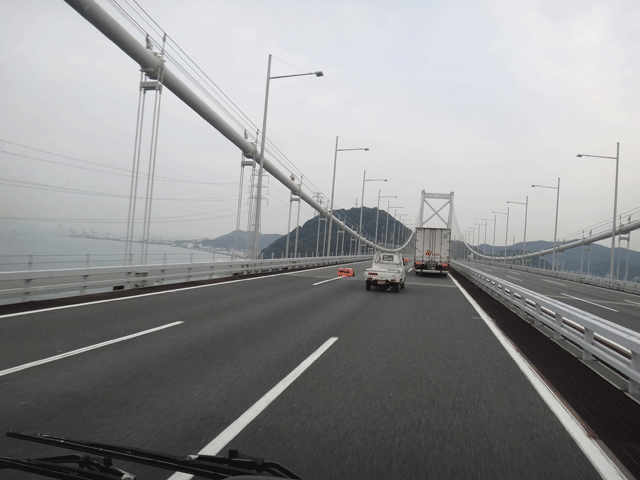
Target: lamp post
x=256 y=235
x=494 y=233
x=394 y=227
x=364 y=179
x=378 y=212
x=485 y=234
x=615 y=203
x=395 y=220
x=386 y=234
x=555 y=231
x=506 y=234
x=333 y=185
x=526 y=209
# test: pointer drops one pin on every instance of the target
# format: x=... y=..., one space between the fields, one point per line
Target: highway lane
x=416 y=386
x=619 y=307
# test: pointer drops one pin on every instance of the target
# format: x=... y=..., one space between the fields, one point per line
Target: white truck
x=432 y=250
x=387 y=270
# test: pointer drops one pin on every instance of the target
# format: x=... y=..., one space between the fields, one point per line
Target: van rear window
x=387 y=258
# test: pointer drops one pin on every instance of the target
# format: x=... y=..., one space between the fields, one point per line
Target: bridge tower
x=245 y=162
x=448 y=201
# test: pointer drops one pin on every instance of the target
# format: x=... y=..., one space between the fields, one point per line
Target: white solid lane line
x=602 y=463
x=517 y=279
x=551 y=281
x=324 y=281
x=635 y=303
x=85 y=349
x=247 y=417
x=587 y=301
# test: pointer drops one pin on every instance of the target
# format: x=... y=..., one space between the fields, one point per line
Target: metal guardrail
x=628 y=287
x=613 y=345
x=29 y=285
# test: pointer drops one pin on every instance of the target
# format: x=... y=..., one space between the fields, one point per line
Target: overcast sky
x=480 y=98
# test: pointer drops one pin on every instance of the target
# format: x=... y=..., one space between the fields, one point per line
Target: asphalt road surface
x=409 y=385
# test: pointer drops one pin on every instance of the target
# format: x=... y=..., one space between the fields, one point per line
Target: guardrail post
x=557 y=331
x=634 y=387
x=523 y=304
x=25 y=295
x=537 y=319
x=30 y=262
x=588 y=338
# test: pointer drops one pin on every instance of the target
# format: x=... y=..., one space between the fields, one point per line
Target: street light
x=615 y=203
x=333 y=184
x=394 y=227
x=485 y=234
x=526 y=209
x=256 y=235
x=364 y=179
x=386 y=234
x=555 y=231
x=506 y=234
x=378 y=211
x=493 y=248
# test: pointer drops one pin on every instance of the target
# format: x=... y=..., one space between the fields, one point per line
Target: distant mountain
x=596 y=261
x=312 y=239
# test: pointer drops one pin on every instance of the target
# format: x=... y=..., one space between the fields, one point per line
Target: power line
x=43 y=186
x=128 y=174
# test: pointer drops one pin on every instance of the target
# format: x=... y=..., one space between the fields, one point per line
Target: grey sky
x=479 y=98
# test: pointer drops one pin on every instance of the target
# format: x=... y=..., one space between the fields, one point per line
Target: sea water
x=33 y=246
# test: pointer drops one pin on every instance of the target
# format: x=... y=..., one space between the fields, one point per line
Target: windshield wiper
x=206 y=466
x=64 y=467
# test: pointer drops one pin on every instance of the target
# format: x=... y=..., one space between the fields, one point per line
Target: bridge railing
x=29 y=285
x=613 y=345
x=628 y=287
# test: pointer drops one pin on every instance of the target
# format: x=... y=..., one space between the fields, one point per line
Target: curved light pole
x=615 y=203
x=506 y=234
x=526 y=209
x=364 y=179
x=555 y=231
x=256 y=235
x=333 y=185
x=378 y=211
